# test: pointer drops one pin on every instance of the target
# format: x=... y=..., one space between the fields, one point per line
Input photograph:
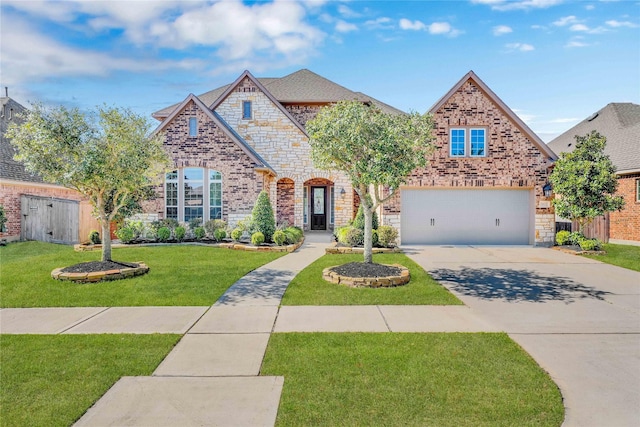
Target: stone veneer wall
x=512 y=161
x=212 y=149
x=282 y=144
x=625 y=225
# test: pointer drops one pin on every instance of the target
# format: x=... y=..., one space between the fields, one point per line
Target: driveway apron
x=578 y=318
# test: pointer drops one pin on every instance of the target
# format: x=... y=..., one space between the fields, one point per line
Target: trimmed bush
x=354 y=237
x=236 y=234
x=575 y=238
x=164 y=234
x=212 y=225
x=219 y=234
x=94 y=237
x=125 y=234
x=387 y=236
x=195 y=223
x=257 y=238
x=262 y=216
x=3 y=218
x=293 y=235
x=199 y=232
x=374 y=238
x=590 y=244
x=562 y=237
x=179 y=233
x=279 y=237
x=358 y=221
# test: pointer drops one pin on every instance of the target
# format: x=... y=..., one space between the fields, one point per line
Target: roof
x=301 y=87
x=9 y=168
x=533 y=137
x=620 y=124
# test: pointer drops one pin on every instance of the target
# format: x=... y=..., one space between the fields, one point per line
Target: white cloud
x=505 y=5
x=522 y=47
x=576 y=43
x=617 y=24
x=345 y=27
x=500 y=30
x=383 y=23
x=579 y=27
x=440 y=28
x=567 y=20
x=589 y=7
x=407 y=24
x=347 y=12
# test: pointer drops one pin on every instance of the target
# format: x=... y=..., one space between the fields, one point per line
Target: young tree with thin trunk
x=110 y=156
x=376 y=150
x=586 y=182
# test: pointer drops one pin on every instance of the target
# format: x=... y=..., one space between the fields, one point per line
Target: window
x=193 y=126
x=472 y=141
x=477 y=143
x=246 y=109
x=457 y=142
x=186 y=197
x=305 y=201
x=637 y=190
x=332 y=197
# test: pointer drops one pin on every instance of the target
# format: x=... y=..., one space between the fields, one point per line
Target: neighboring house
x=483 y=185
x=37 y=210
x=620 y=124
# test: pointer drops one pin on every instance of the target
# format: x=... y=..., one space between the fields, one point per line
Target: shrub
x=293 y=235
x=179 y=233
x=257 y=238
x=387 y=236
x=199 y=232
x=590 y=244
x=236 y=234
x=3 y=218
x=279 y=237
x=164 y=234
x=262 y=216
x=354 y=237
x=358 y=221
x=246 y=225
x=195 y=223
x=575 y=237
x=137 y=227
x=126 y=234
x=562 y=237
x=341 y=234
x=219 y=234
x=94 y=237
x=214 y=224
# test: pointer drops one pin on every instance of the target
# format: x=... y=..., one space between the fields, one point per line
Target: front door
x=318 y=208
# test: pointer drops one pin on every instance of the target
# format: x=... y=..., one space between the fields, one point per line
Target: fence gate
x=49 y=220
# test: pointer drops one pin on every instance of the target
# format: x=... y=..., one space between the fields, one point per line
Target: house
x=620 y=124
x=484 y=184
x=37 y=210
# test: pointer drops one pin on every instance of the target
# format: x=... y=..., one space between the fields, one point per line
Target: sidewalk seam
x=79 y=322
x=384 y=319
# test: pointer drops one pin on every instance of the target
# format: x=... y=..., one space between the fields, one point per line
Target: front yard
x=626 y=256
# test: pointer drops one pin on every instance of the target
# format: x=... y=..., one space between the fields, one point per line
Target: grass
x=179 y=275
x=309 y=288
x=51 y=380
x=409 y=380
x=626 y=256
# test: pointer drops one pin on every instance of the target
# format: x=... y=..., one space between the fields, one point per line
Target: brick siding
x=285 y=204
x=625 y=225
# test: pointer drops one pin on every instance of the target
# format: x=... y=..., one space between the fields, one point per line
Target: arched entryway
x=319 y=201
x=285 y=205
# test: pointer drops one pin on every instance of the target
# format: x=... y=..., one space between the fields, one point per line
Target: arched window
x=186 y=197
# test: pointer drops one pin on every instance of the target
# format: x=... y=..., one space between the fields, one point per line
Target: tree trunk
x=368 y=231
x=106 y=239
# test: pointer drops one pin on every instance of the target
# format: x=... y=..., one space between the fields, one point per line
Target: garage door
x=466 y=217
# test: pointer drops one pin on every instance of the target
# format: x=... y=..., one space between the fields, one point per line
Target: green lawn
x=409 y=380
x=626 y=256
x=51 y=380
x=309 y=288
x=179 y=275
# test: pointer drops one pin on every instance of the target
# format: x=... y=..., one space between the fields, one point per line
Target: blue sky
x=554 y=62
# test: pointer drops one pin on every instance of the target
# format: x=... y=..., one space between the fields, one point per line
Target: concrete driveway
x=578 y=318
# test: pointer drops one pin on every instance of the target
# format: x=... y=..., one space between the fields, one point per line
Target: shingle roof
x=620 y=124
x=9 y=168
x=302 y=86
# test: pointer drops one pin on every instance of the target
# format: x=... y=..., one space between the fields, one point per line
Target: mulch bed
x=363 y=269
x=95 y=266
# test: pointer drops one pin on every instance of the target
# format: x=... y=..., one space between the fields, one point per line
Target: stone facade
x=625 y=225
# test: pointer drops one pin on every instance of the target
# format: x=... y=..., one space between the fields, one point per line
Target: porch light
x=547 y=190
x=342 y=192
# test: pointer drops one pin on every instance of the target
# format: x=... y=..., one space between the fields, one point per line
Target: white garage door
x=466 y=217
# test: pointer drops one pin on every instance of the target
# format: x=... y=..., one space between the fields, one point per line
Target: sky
x=554 y=62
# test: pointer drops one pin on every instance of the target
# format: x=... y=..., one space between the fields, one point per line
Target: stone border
x=234 y=245
x=101 y=276
x=570 y=250
x=368 y=282
x=335 y=249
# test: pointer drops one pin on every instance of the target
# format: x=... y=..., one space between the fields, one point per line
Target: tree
x=262 y=216
x=109 y=156
x=585 y=180
x=376 y=150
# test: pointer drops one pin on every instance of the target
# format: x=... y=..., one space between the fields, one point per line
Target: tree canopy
x=376 y=150
x=108 y=155
x=585 y=180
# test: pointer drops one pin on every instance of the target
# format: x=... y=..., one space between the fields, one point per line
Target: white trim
x=206 y=195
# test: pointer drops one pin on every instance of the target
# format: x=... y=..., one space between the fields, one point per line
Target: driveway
x=578 y=318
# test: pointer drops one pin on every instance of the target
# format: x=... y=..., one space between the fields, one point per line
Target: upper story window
x=458 y=143
x=468 y=142
x=193 y=126
x=246 y=109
